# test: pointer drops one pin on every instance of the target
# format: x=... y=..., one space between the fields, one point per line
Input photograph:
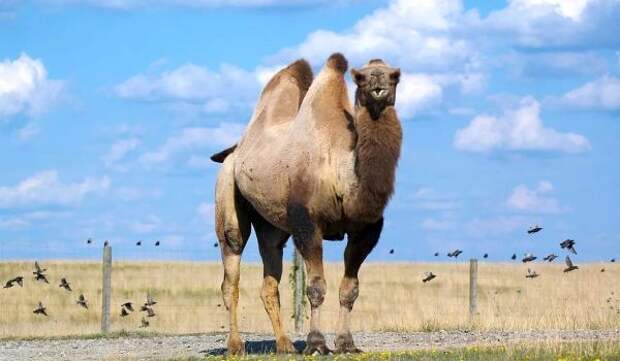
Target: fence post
x=473 y=287
x=298 y=267
x=106 y=291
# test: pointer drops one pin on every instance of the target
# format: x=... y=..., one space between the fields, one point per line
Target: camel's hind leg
x=359 y=245
x=232 y=226
x=271 y=241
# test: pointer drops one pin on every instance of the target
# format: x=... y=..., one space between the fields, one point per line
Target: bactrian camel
x=312 y=166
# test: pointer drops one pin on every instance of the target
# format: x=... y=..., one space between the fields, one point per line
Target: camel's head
x=376 y=86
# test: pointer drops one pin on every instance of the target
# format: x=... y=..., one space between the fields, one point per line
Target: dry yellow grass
x=392 y=297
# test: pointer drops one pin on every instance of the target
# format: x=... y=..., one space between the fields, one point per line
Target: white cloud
x=429 y=199
x=495 y=226
x=213 y=91
x=535 y=200
x=25 y=87
x=146 y=225
x=516 y=130
x=28 y=131
x=432 y=224
x=224 y=135
x=119 y=150
x=602 y=93
x=416 y=92
x=206 y=210
x=45 y=188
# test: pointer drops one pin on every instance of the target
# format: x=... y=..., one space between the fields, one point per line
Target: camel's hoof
x=344 y=344
x=316 y=344
x=236 y=347
x=284 y=345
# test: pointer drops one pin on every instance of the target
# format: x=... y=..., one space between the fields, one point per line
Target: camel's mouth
x=379 y=93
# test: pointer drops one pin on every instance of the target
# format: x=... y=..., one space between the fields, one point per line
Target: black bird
x=392 y=251
x=528 y=258
x=569 y=244
x=514 y=256
x=436 y=254
x=602 y=270
x=150 y=312
x=145 y=323
x=38 y=269
x=139 y=243
x=40 y=310
x=534 y=229
x=550 y=258
x=455 y=253
x=124 y=312
x=89 y=241
x=38 y=273
x=428 y=276
x=106 y=243
x=157 y=244
x=486 y=255
x=531 y=274
x=215 y=245
x=569 y=265
x=82 y=301
x=128 y=306
x=613 y=260
x=150 y=301
x=64 y=284
x=19 y=280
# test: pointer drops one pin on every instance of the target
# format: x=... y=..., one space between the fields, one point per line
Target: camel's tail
x=221 y=156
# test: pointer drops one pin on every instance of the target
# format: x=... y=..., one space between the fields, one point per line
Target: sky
x=109 y=110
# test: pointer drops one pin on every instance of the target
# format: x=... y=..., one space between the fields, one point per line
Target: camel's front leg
x=359 y=245
x=309 y=242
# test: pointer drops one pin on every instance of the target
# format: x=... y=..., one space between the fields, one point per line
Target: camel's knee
x=349 y=290
x=316 y=291
x=269 y=293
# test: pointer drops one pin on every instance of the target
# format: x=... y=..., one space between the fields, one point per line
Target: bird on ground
x=106 y=243
x=392 y=251
x=436 y=254
x=514 y=256
x=157 y=244
x=38 y=273
x=128 y=306
x=534 y=229
x=550 y=258
x=40 y=310
x=124 y=312
x=10 y=283
x=569 y=265
x=139 y=243
x=531 y=274
x=82 y=301
x=528 y=257
x=145 y=323
x=486 y=255
x=569 y=244
x=89 y=241
x=428 y=276
x=64 y=284
x=455 y=253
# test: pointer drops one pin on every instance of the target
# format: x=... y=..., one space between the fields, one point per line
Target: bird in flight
x=157 y=244
x=38 y=273
x=455 y=253
x=139 y=243
x=64 y=284
x=514 y=256
x=436 y=254
x=486 y=255
x=569 y=265
x=89 y=241
x=82 y=301
x=149 y=311
x=392 y=251
x=528 y=258
x=128 y=306
x=550 y=258
x=10 y=283
x=534 y=229
x=150 y=301
x=569 y=244
x=428 y=276
x=40 y=310
x=124 y=312
x=531 y=274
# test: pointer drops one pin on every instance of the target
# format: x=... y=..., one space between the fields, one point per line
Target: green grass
x=579 y=351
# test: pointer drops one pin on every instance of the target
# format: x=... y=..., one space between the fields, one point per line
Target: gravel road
x=165 y=347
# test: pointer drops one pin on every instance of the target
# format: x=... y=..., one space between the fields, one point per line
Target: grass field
x=392 y=297
x=595 y=351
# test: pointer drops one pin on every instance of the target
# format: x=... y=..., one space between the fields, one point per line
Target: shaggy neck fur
x=376 y=155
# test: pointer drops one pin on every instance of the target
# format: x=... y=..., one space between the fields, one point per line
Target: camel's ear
x=395 y=75
x=357 y=76
x=221 y=156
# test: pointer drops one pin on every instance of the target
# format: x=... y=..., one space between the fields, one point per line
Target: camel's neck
x=376 y=155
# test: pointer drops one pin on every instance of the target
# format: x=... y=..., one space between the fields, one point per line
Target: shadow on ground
x=256 y=347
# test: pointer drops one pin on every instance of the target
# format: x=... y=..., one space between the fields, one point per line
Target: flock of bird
x=41 y=309
x=568 y=245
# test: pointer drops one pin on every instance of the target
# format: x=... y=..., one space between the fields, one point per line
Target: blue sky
x=109 y=110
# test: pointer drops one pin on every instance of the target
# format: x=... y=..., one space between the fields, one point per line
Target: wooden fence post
x=106 y=292
x=298 y=267
x=473 y=287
